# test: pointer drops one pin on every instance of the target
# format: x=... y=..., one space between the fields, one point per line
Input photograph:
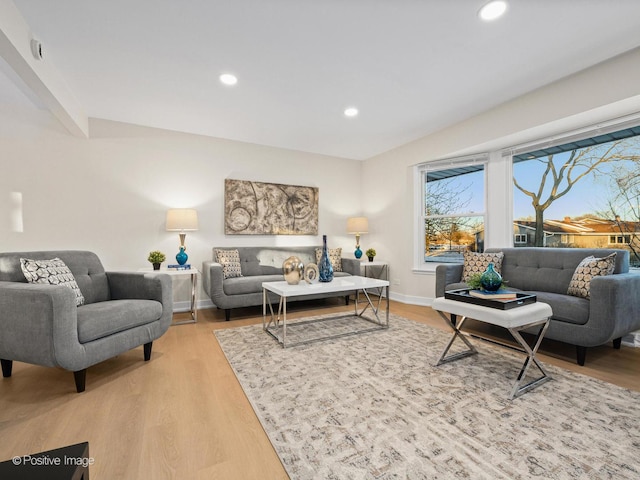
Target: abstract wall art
x=257 y=208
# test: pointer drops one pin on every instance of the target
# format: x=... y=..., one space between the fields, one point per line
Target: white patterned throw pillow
x=335 y=257
x=51 y=272
x=478 y=262
x=580 y=285
x=230 y=261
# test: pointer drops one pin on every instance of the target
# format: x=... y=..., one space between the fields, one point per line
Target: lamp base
x=358 y=252
x=182 y=256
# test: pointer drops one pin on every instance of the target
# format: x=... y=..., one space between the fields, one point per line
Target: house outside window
x=452 y=215
x=520 y=238
x=582 y=192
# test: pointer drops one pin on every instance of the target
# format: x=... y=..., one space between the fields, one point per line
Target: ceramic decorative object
x=293 y=270
x=490 y=279
x=325 y=268
x=182 y=256
x=311 y=272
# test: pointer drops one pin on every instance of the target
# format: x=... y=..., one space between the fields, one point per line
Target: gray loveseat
x=259 y=264
x=41 y=324
x=612 y=311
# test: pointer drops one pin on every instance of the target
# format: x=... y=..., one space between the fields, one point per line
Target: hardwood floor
x=183 y=414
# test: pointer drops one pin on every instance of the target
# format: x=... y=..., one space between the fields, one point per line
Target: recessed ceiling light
x=228 y=79
x=351 y=112
x=493 y=10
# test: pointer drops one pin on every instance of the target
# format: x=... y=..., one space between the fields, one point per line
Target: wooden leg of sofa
x=80 y=377
x=617 y=342
x=346 y=300
x=227 y=314
x=7 y=365
x=581 y=353
x=147 y=351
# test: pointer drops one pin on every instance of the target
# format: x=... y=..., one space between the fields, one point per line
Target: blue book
x=186 y=266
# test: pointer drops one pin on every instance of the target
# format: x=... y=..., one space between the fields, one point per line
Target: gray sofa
x=612 y=311
x=259 y=264
x=41 y=324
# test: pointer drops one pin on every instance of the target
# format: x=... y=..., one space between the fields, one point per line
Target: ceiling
x=411 y=67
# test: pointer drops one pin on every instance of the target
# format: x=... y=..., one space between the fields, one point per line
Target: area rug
x=373 y=406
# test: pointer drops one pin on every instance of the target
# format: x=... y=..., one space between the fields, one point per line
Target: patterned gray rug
x=373 y=406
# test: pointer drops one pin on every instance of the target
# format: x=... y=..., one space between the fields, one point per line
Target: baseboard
x=411 y=300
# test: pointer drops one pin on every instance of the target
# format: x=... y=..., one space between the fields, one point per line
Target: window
x=520 y=238
x=452 y=209
x=620 y=239
x=581 y=193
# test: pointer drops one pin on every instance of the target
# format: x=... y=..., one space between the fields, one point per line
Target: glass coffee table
x=276 y=325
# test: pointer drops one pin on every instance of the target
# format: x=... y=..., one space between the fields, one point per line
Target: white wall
x=604 y=92
x=110 y=193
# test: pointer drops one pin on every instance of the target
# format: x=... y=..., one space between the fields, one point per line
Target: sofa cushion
x=51 y=272
x=244 y=285
x=101 y=319
x=230 y=261
x=588 y=268
x=475 y=263
x=565 y=307
x=335 y=257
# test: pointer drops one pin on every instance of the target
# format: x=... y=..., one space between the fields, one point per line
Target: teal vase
x=490 y=279
x=325 y=270
x=182 y=256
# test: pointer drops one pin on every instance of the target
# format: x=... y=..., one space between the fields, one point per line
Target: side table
x=193 y=273
x=384 y=269
x=370 y=271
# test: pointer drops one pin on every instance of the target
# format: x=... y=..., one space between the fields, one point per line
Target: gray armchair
x=41 y=324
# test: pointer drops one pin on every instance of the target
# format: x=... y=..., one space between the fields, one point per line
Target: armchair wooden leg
x=346 y=300
x=617 y=342
x=147 y=351
x=80 y=377
x=227 y=314
x=7 y=365
x=581 y=354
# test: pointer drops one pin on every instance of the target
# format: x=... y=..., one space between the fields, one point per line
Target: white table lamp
x=357 y=225
x=182 y=220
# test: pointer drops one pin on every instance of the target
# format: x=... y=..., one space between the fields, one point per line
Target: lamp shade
x=182 y=220
x=357 y=225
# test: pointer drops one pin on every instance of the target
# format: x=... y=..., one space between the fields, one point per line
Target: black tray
x=462 y=295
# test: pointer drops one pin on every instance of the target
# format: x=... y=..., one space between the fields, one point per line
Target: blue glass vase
x=490 y=279
x=182 y=256
x=325 y=270
x=358 y=252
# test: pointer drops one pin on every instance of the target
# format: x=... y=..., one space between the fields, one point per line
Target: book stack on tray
x=501 y=294
x=502 y=299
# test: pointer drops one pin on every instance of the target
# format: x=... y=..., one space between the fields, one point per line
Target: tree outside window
x=581 y=197
x=453 y=212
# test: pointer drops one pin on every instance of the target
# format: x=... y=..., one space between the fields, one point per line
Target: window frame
x=420 y=216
